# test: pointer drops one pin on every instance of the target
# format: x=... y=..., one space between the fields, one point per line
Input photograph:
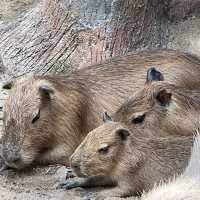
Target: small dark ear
x=46 y=91
x=8 y=85
x=164 y=97
x=123 y=133
x=107 y=118
x=154 y=75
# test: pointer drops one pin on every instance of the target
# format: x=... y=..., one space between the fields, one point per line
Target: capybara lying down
x=111 y=155
x=46 y=118
x=163 y=106
x=184 y=187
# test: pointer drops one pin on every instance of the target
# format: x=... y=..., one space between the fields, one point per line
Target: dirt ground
x=38 y=184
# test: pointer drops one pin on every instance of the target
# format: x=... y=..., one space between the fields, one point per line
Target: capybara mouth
x=18 y=166
x=79 y=172
x=3 y=167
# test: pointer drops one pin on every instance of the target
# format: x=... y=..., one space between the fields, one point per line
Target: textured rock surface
x=185 y=36
x=51 y=35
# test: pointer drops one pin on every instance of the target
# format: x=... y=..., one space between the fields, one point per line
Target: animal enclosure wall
x=52 y=35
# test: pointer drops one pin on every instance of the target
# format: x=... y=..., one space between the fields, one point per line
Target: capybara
x=46 y=118
x=161 y=105
x=130 y=161
x=185 y=186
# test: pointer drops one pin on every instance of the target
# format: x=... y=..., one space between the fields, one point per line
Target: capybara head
x=102 y=151
x=26 y=115
x=162 y=105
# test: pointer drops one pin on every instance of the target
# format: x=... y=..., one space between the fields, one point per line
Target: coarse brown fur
x=179 y=116
x=72 y=105
x=183 y=187
x=132 y=161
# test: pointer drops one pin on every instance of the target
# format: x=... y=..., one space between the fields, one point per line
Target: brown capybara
x=161 y=105
x=131 y=162
x=46 y=118
x=184 y=187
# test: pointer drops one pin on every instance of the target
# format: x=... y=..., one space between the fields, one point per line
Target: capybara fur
x=131 y=161
x=159 y=104
x=46 y=118
x=185 y=186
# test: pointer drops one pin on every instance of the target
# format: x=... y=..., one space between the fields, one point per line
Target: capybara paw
x=69 y=173
x=68 y=184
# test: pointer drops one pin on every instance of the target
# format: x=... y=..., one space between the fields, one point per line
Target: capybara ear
x=123 y=133
x=8 y=85
x=106 y=118
x=46 y=91
x=164 y=97
x=154 y=75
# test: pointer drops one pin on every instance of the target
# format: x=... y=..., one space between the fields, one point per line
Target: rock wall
x=51 y=35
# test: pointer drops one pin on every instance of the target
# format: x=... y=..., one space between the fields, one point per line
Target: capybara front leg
x=86 y=182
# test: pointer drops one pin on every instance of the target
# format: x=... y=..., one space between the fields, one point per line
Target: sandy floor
x=39 y=184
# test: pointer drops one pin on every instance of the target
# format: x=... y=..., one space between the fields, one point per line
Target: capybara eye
x=103 y=149
x=138 y=119
x=37 y=116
